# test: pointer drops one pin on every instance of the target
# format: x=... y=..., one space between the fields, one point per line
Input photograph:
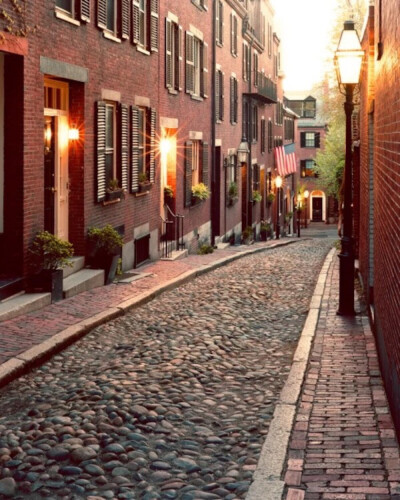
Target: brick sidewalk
x=343 y=443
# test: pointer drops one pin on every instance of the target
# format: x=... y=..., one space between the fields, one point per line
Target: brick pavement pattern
x=343 y=444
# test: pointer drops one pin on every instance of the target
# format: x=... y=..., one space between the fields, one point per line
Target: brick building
x=115 y=112
x=377 y=213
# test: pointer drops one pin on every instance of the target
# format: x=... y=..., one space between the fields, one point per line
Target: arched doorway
x=318 y=206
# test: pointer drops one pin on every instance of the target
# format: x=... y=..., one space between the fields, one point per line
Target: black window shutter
x=188 y=173
x=124 y=145
x=232 y=34
x=125 y=17
x=221 y=23
x=302 y=139
x=102 y=14
x=85 y=10
x=217 y=92
x=236 y=101
x=189 y=49
x=168 y=53
x=317 y=140
x=153 y=124
x=179 y=58
x=232 y=100
x=101 y=150
x=135 y=149
x=222 y=96
x=204 y=163
x=204 y=70
x=135 y=21
x=154 y=23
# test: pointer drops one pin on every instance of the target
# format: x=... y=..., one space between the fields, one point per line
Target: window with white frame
x=113 y=17
x=219 y=95
x=196 y=167
x=145 y=25
x=219 y=22
x=234 y=35
x=310 y=139
x=173 y=55
x=307 y=168
x=73 y=11
x=246 y=62
x=143 y=145
x=196 y=66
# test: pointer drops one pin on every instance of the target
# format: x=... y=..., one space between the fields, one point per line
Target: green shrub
x=106 y=239
x=50 y=252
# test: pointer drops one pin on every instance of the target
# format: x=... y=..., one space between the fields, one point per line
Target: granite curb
x=14 y=367
x=267 y=480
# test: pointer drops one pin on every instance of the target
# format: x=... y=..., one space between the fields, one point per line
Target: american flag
x=285 y=163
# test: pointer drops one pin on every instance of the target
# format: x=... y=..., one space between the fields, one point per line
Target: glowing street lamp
x=348 y=59
x=306 y=194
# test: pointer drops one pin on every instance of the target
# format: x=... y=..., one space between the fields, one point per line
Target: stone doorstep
x=82 y=281
x=23 y=304
x=176 y=255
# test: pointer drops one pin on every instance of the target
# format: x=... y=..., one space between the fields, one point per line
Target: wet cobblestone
x=172 y=400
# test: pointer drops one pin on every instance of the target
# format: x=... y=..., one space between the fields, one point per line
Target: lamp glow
x=73 y=134
x=306 y=194
x=242 y=151
x=278 y=181
x=349 y=55
x=165 y=146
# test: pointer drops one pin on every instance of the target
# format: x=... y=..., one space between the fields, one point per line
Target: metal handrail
x=177 y=220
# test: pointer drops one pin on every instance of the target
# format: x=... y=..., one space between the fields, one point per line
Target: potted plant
x=114 y=191
x=233 y=193
x=256 y=196
x=248 y=236
x=200 y=192
x=168 y=192
x=270 y=198
x=50 y=255
x=265 y=230
x=105 y=249
x=144 y=183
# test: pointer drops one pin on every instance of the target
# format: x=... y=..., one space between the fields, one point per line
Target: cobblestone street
x=172 y=400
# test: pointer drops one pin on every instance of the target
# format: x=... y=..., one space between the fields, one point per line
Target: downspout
x=250 y=123
x=214 y=198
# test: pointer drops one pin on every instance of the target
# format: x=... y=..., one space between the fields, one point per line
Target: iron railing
x=172 y=233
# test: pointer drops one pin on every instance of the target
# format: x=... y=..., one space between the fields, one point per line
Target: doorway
x=56 y=177
x=316 y=209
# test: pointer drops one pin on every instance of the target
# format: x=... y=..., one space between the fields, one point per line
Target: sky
x=304 y=29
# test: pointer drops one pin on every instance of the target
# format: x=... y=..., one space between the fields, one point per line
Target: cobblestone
x=172 y=400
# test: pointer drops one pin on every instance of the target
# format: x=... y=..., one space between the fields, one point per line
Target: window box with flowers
x=270 y=198
x=233 y=194
x=200 y=192
x=144 y=183
x=114 y=192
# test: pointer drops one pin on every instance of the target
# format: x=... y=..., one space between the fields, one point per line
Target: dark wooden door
x=49 y=173
x=317 y=209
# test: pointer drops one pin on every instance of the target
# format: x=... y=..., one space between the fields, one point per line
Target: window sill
x=196 y=98
x=172 y=91
x=64 y=16
x=140 y=194
x=141 y=49
x=110 y=36
x=111 y=202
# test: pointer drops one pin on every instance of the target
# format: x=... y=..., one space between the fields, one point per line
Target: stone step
x=82 y=281
x=22 y=304
x=176 y=255
x=78 y=263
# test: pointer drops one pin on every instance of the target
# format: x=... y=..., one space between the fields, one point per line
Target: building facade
x=376 y=213
x=131 y=114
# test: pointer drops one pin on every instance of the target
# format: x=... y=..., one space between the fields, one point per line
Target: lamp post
x=348 y=58
x=278 y=184
x=298 y=215
x=306 y=194
x=242 y=151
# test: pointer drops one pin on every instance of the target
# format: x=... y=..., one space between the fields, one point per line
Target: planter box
x=108 y=262
x=50 y=281
x=144 y=187
x=114 y=195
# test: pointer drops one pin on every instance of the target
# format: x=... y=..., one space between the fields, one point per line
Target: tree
x=330 y=160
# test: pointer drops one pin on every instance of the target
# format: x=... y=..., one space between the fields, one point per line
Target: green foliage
x=270 y=197
x=50 y=252
x=105 y=239
x=143 y=178
x=247 y=233
x=256 y=196
x=233 y=191
x=200 y=191
x=113 y=185
x=205 y=248
x=168 y=191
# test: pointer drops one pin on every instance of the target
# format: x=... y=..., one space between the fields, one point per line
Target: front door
x=56 y=179
x=317 y=209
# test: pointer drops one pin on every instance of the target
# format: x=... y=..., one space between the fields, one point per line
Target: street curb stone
x=15 y=367
x=267 y=480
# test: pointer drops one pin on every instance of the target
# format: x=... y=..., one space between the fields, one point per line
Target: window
x=219 y=22
x=145 y=24
x=307 y=168
x=219 y=95
x=234 y=35
x=254 y=123
x=270 y=139
x=256 y=177
x=231 y=171
x=233 y=100
x=289 y=129
x=309 y=139
x=269 y=40
x=245 y=120
x=143 y=146
x=246 y=62
x=112 y=146
x=309 y=108
x=196 y=66
x=255 y=57
x=196 y=167
x=279 y=113
x=173 y=55
x=263 y=135
x=71 y=9
x=201 y=4
x=113 y=18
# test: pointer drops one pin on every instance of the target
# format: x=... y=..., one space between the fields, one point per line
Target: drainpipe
x=250 y=169
x=214 y=198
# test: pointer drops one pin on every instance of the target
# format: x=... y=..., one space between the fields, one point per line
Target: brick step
x=22 y=304
x=82 y=281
